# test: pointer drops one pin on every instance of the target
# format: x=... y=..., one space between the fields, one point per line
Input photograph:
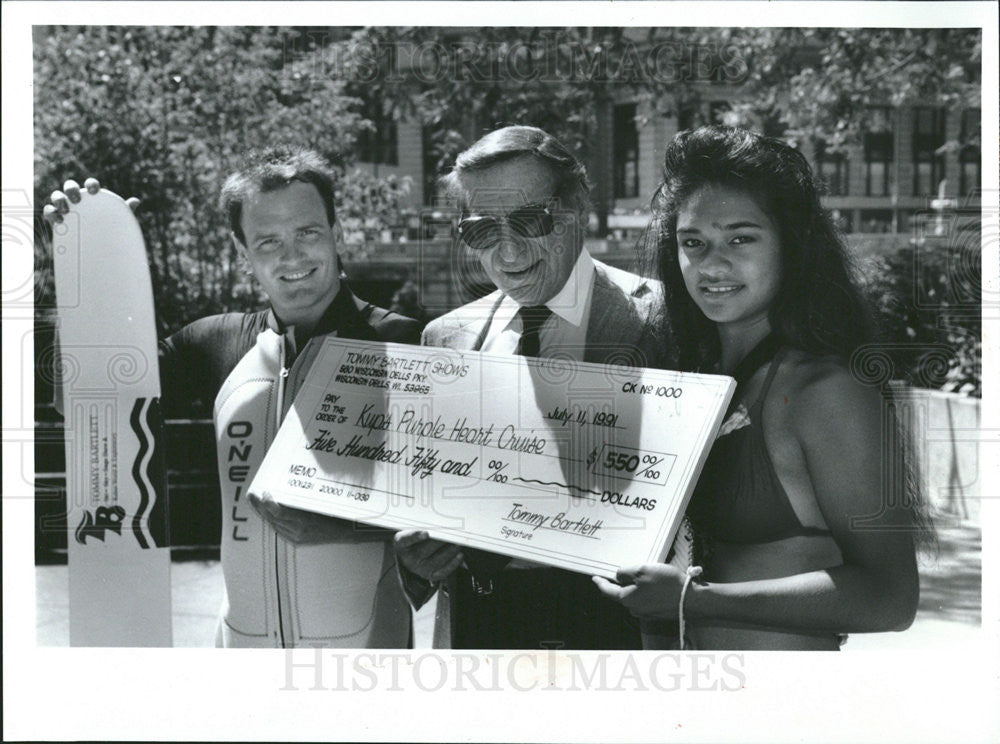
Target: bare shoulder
x=825 y=399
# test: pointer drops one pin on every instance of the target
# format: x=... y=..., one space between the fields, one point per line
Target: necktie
x=484 y=567
x=532 y=320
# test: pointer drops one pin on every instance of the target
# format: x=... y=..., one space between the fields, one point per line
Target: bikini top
x=739 y=498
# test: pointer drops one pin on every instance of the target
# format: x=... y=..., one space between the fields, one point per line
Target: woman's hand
x=651 y=590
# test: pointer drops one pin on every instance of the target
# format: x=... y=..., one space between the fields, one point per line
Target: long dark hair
x=819 y=308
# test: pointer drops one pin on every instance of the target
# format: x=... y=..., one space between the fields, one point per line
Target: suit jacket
x=621 y=327
x=621 y=330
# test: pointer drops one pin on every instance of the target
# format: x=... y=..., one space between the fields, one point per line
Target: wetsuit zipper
x=283 y=377
x=282 y=380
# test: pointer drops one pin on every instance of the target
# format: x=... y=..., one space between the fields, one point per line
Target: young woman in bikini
x=802 y=531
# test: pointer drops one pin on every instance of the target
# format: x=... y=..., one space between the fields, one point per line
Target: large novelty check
x=582 y=466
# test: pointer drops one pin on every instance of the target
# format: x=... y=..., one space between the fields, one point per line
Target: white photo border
x=948 y=692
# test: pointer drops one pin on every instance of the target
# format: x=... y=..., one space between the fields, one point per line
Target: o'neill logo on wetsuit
x=239 y=452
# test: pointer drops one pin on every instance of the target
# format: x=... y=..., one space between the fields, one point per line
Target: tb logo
x=103 y=518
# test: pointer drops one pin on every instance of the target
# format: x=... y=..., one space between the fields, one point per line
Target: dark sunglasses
x=485 y=231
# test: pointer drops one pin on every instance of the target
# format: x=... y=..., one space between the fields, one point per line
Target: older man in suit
x=524 y=205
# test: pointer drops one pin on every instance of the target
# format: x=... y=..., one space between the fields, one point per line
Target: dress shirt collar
x=569 y=303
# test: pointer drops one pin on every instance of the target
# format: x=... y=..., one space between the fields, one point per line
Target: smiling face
x=291 y=249
x=530 y=270
x=729 y=251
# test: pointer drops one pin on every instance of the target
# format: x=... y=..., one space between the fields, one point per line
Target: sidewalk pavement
x=949 y=613
x=196 y=593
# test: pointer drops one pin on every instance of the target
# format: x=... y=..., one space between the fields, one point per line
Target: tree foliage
x=805 y=84
x=164 y=114
x=927 y=304
x=816 y=82
x=825 y=83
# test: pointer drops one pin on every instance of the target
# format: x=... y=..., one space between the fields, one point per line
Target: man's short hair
x=512 y=142
x=270 y=169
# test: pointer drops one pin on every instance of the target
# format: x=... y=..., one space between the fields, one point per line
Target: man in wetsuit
x=292 y=578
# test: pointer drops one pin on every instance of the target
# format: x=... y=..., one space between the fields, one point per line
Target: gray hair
x=512 y=142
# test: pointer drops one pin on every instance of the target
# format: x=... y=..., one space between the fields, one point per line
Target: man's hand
x=71 y=194
x=653 y=590
x=299 y=526
x=431 y=560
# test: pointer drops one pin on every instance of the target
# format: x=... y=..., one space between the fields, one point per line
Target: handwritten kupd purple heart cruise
x=582 y=466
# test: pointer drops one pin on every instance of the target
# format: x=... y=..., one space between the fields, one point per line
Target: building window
x=832 y=167
x=928 y=161
x=879 y=148
x=876 y=221
x=688 y=117
x=702 y=114
x=625 y=136
x=843 y=221
x=774 y=127
x=969 y=156
x=378 y=145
